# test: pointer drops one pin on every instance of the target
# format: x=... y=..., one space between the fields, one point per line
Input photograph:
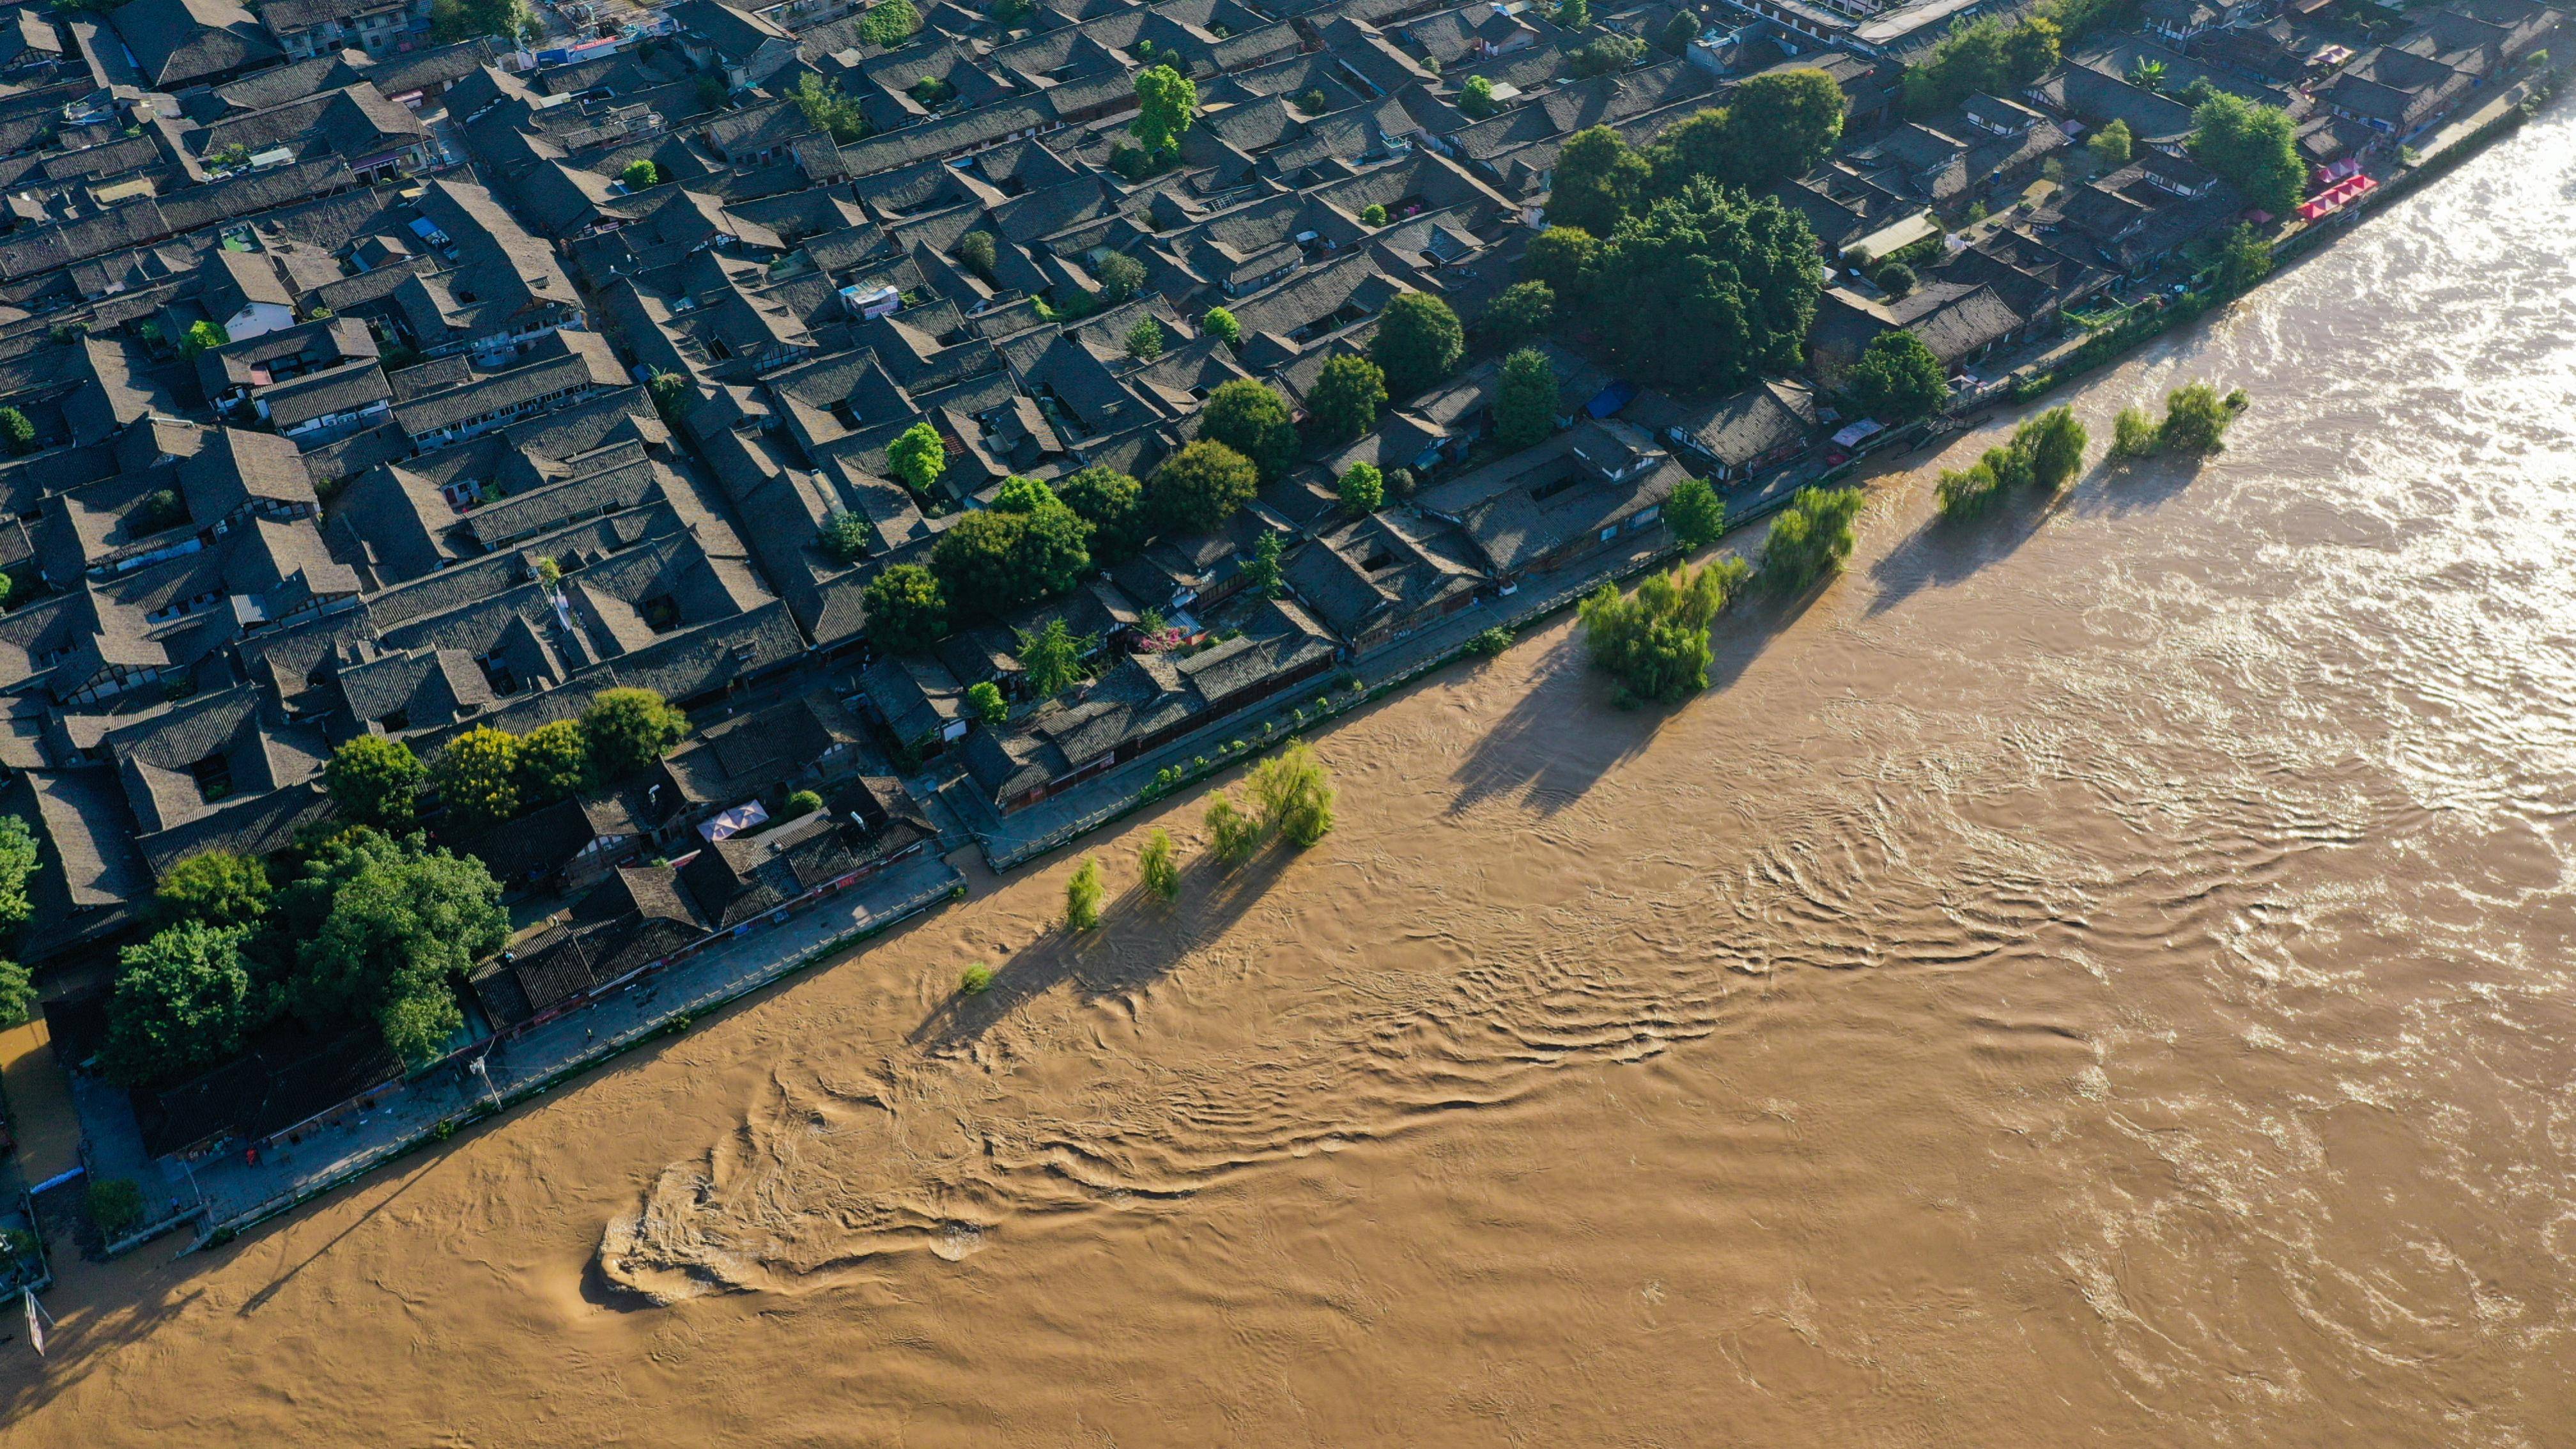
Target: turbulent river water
x=2096 y=976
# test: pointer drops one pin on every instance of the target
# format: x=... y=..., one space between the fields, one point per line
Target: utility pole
x=482 y=1069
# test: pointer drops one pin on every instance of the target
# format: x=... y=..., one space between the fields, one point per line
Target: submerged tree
x=1811 y=537
x=1082 y=896
x=1655 y=641
x=1293 y=795
x=1156 y=865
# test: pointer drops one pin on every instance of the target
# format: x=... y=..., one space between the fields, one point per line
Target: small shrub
x=989 y=706
x=975 y=980
x=116 y=1206
x=1490 y=642
x=802 y=803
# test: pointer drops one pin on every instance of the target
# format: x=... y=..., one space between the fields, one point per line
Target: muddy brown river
x=2097 y=977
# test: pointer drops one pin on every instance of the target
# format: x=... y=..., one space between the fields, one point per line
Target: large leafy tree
x=1525 y=407
x=1655 y=641
x=1248 y=417
x=2254 y=146
x=183 y=1002
x=1112 y=503
x=889 y=23
x=1561 y=258
x=1708 y=290
x=907 y=613
x=1897 y=379
x=1597 y=178
x=1051 y=658
x=918 y=457
x=478 y=776
x=217 y=887
x=1201 y=486
x=1346 y=397
x=400 y=930
x=1418 y=341
x=1782 y=123
x=1165 y=101
x=629 y=729
x=1810 y=538
x=1521 y=315
x=554 y=762
x=372 y=780
x=828 y=108
x=995 y=560
x=1695 y=514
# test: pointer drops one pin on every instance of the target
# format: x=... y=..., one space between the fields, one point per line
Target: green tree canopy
x=16 y=431
x=1220 y=323
x=1598 y=178
x=1023 y=495
x=1526 y=406
x=1051 y=658
x=1156 y=867
x=477 y=775
x=1476 y=98
x=1083 y=894
x=1655 y=641
x=1120 y=276
x=1811 y=537
x=993 y=561
x=641 y=175
x=17 y=866
x=183 y=1002
x=217 y=887
x=454 y=20
x=990 y=707
x=1248 y=417
x=1418 y=341
x=1145 y=340
x=2055 y=442
x=1776 y=125
x=629 y=729
x=1521 y=315
x=401 y=928
x=2254 y=146
x=1605 y=55
x=1897 y=379
x=1113 y=504
x=1363 y=488
x=1165 y=104
x=2197 y=418
x=1201 y=486
x=1293 y=796
x=845 y=536
x=1561 y=257
x=979 y=252
x=372 y=780
x=1261 y=575
x=1346 y=397
x=889 y=23
x=2113 y=144
x=2244 y=258
x=1695 y=514
x=907 y=613
x=1708 y=291
x=554 y=762
x=918 y=457
x=827 y=109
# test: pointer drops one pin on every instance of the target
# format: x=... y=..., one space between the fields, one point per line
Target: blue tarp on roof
x=1612 y=398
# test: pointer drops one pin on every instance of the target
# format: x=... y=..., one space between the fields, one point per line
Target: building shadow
x=1139 y=940
x=82 y=1344
x=1948 y=551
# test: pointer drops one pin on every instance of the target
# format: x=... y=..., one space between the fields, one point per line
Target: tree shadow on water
x=1947 y=551
x=1557 y=740
x=2135 y=485
x=1140 y=938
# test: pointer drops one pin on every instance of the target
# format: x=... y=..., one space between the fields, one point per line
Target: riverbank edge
x=677 y=1023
